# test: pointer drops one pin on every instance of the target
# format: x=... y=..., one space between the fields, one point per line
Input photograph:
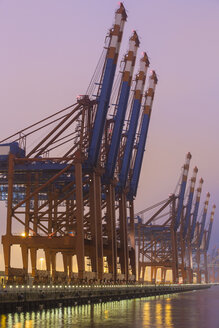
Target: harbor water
x=196 y=309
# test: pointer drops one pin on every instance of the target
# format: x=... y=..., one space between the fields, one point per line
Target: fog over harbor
x=49 y=51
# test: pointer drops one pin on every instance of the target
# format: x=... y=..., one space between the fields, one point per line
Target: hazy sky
x=49 y=50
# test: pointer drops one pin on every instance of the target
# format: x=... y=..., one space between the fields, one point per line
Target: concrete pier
x=26 y=298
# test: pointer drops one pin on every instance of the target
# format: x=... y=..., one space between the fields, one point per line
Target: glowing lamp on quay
x=41 y=263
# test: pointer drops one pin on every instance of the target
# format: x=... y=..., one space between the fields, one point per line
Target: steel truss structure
x=171 y=238
x=213 y=266
x=72 y=192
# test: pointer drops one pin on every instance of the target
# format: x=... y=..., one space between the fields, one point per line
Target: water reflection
x=147 y=313
x=158 y=315
x=182 y=310
x=168 y=313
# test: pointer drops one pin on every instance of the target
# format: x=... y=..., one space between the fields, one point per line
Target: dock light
x=41 y=262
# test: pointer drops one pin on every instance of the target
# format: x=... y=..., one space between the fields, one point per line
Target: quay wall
x=26 y=298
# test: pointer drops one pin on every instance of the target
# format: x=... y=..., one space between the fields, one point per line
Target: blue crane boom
x=182 y=190
x=103 y=102
x=200 y=237
x=189 y=204
x=210 y=227
x=129 y=64
x=195 y=213
x=140 y=81
x=149 y=97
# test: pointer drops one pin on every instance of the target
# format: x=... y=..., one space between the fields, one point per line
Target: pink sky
x=49 y=50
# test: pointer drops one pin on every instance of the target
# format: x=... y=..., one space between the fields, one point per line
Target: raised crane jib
x=210 y=227
x=108 y=76
x=195 y=213
x=140 y=82
x=203 y=220
x=182 y=190
x=127 y=74
x=189 y=204
x=146 y=114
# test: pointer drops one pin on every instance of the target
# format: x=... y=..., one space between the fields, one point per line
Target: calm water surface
x=198 y=309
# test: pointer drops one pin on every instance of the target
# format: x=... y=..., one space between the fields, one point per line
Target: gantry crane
x=201 y=243
x=170 y=237
x=213 y=265
x=68 y=191
x=158 y=238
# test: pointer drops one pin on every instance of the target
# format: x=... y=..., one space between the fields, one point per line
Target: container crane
x=138 y=156
x=210 y=227
x=189 y=204
x=200 y=237
x=205 y=245
x=195 y=213
x=182 y=190
x=140 y=82
x=145 y=120
x=115 y=38
x=185 y=245
x=129 y=64
x=199 y=242
x=112 y=143
x=123 y=174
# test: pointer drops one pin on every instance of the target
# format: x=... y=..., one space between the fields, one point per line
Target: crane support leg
x=93 y=225
x=190 y=263
x=53 y=261
x=99 y=225
x=80 y=220
x=163 y=275
x=174 y=256
x=143 y=272
x=198 y=266
x=139 y=247
x=206 y=267
x=10 y=193
x=33 y=257
x=70 y=266
x=132 y=238
x=124 y=260
x=48 y=260
x=24 y=251
x=182 y=246
x=153 y=274
x=65 y=264
x=27 y=207
x=7 y=256
x=50 y=216
x=5 y=239
x=36 y=198
x=111 y=232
